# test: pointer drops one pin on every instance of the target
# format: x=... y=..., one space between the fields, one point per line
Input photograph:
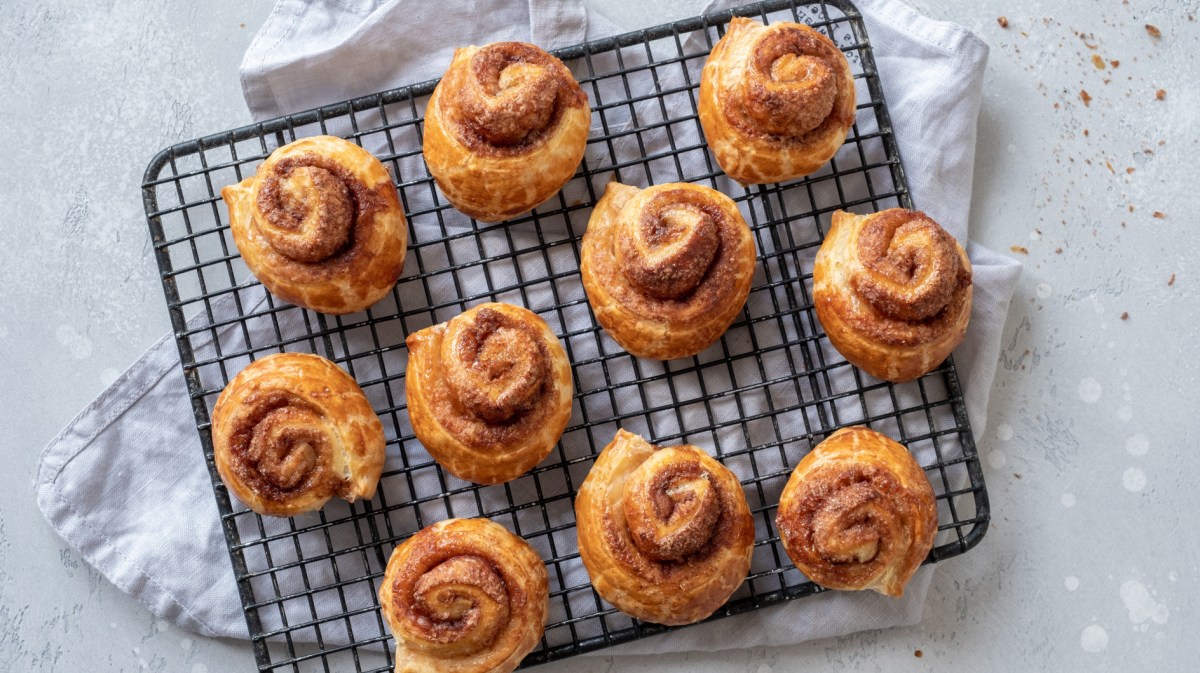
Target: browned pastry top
x=464 y=596
x=858 y=512
x=499 y=383
x=505 y=129
x=320 y=224
x=665 y=532
x=893 y=291
x=509 y=98
x=790 y=86
x=293 y=430
x=489 y=392
x=775 y=101
x=666 y=268
x=911 y=274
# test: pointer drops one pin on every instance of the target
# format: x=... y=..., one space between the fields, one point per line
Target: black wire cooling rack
x=759 y=399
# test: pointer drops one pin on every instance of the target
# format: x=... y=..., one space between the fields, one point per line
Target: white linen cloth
x=124 y=483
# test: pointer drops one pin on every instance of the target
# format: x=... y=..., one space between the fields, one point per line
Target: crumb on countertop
x=1019 y=249
x=1098 y=61
x=918 y=654
x=1003 y=21
x=1125 y=315
x=1058 y=251
x=1171 y=280
x=1159 y=215
x=1161 y=94
x=1085 y=97
x=1153 y=31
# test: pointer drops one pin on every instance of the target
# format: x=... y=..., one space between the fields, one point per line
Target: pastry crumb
x=1161 y=94
x=1058 y=251
x=918 y=654
x=1129 y=170
x=1171 y=280
x=1153 y=31
x=1019 y=249
x=1086 y=133
x=1098 y=61
x=1085 y=97
x=1159 y=215
x=1115 y=63
x=1003 y=21
x=1125 y=315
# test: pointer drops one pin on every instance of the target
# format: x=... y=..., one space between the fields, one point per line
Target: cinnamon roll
x=320 y=225
x=489 y=392
x=858 y=513
x=505 y=129
x=893 y=292
x=464 y=596
x=775 y=101
x=667 y=268
x=293 y=430
x=664 y=532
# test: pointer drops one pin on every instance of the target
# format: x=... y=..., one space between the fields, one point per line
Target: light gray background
x=1090 y=454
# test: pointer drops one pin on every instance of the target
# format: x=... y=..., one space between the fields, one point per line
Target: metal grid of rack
x=759 y=399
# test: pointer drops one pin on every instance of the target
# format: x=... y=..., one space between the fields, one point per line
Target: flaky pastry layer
x=320 y=225
x=293 y=430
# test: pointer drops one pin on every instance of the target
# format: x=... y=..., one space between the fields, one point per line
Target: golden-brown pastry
x=293 y=430
x=667 y=268
x=320 y=225
x=489 y=392
x=893 y=292
x=858 y=513
x=464 y=596
x=505 y=129
x=664 y=532
x=775 y=101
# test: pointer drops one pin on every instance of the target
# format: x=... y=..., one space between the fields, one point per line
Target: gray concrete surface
x=1091 y=560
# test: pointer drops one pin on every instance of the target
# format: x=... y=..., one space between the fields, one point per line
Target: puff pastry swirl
x=293 y=430
x=664 y=532
x=893 y=292
x=489 y=392
x=667 y=268
x=505 y=129
x=776 y=101
x=464 y=596
x=320 y=225
x=858 y=513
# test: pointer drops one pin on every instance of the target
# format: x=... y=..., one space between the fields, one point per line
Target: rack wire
x=771 y=389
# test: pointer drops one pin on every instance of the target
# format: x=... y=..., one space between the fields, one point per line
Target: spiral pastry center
x=851 y=525
x=791 y=88
x=284 y=444
x=309 y=210
x=495 y=364
x=912 y=267
x=667 y=248
x=671 y=505
x=513 y=93
x=460 y=602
